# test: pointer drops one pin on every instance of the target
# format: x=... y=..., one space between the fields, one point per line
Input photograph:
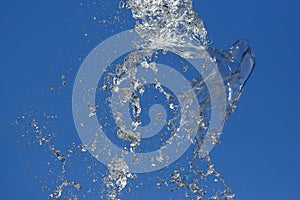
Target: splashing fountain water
x=188 y=103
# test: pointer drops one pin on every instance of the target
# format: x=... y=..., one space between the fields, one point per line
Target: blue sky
x=258 y=156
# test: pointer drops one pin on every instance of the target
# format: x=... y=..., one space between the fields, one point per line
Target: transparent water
x=168 y=29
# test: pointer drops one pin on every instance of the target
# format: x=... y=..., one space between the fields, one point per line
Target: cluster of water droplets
x=172 y=25
x=164 y=26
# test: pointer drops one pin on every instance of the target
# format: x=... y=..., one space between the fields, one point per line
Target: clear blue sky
x=258 y=156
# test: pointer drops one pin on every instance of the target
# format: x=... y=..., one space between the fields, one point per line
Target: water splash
x=172 y=23
x=165 y=27
x=174 y=26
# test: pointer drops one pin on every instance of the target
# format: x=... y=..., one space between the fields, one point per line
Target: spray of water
x=165 y=27
x=172 y=25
